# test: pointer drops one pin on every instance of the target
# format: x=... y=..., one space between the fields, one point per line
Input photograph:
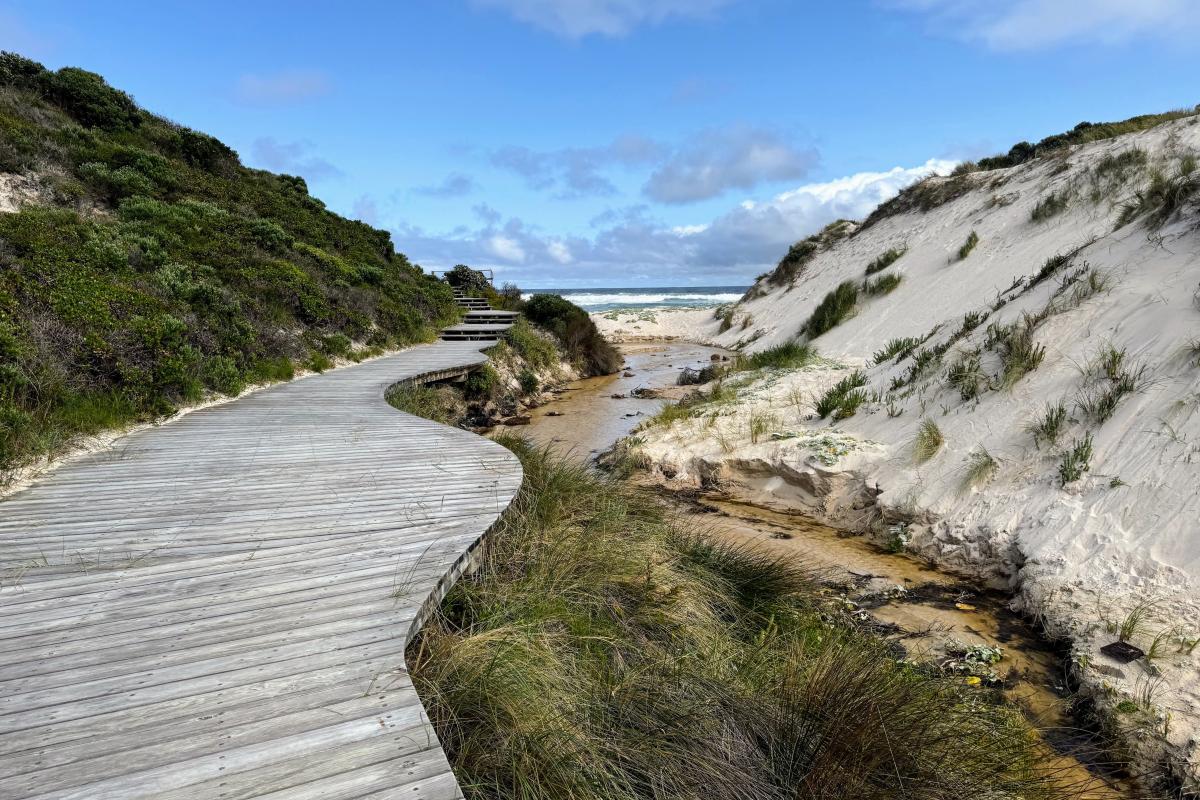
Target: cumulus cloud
x=1028 y=24
x=632 y=243
x=294 y=158
x=575 y=171
x=575 y=19
x=288 y=87
x=453 y=185
x=718 y=160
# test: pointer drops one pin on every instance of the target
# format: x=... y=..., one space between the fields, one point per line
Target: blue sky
x=620 y=142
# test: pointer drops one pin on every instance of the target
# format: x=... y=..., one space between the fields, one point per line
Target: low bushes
x=581 y=341
x=194 y=274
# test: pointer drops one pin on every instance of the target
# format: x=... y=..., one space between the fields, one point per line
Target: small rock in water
x=627 y=374
x=554 y=413
x=714 y=357
x=618 y=396
x=519 y=419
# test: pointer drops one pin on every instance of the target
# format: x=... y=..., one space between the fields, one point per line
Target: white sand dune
x=1080 y=556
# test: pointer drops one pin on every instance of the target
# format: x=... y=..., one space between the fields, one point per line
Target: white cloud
x=559 y=252
x=630 y=243
x=1028 y=24
x=735 y=158
x=288 y=87
x=575 y=19
x=505 y=248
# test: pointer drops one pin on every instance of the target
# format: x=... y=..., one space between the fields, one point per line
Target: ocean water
x=648 y=297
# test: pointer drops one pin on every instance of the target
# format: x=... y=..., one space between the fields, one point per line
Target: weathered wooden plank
x=218 y=607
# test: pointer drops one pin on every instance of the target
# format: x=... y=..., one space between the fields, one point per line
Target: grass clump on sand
x=884 y=284
x=886 y=259
x=843 y=398
x=603 y=652
x=928 y=442
x=1049 y=206
x=968 y=245
x=835 y=307
x=788 y=355
x=897 y=348
x=1076 y=461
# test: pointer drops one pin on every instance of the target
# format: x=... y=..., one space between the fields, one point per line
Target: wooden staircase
x=480 y=322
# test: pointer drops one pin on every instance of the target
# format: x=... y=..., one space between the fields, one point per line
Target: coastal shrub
x=1049 y=206
x=536 y=349
x=1082 y=133
x=835 y=307
x=839 y=396
x=968 y=245
x=160 y=268
x=468 y=280
x=604 y=651
x=792 y=265
x=578 y=336
x=1076 y=460
x=881 y=285
x=725 y=315
x=897 y=348
x=528 y=381
x=482 y=383
x=1049 y=426
x=928 y=442
x=886 y=259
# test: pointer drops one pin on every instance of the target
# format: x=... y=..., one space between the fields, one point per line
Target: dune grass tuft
x=789 y=355
x=843 y=398
x=602 y=652
x=969 y=245
x=884 y=284
x=928 y=442
x=835 y=307
x=886 y=259
x=897 y=348
x=981 y=468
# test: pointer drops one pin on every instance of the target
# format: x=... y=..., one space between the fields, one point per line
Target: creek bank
x=933 y=616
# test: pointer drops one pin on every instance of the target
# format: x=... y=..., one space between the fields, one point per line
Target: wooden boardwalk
x=218 y=607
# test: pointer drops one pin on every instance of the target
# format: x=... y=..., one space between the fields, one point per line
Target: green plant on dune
x=967 y=246
x=833 y=309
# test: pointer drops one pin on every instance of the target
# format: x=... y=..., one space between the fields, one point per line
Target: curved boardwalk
x=218 y=607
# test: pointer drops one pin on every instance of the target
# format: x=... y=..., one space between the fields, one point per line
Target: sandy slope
x=1080 y=556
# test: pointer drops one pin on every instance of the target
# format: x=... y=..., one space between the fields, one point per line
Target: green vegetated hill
x=144 y=265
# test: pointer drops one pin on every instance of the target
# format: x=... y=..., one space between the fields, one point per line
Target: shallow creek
x=928 y=613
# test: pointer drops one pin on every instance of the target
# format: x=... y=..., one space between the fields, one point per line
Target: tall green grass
x=603 y=652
